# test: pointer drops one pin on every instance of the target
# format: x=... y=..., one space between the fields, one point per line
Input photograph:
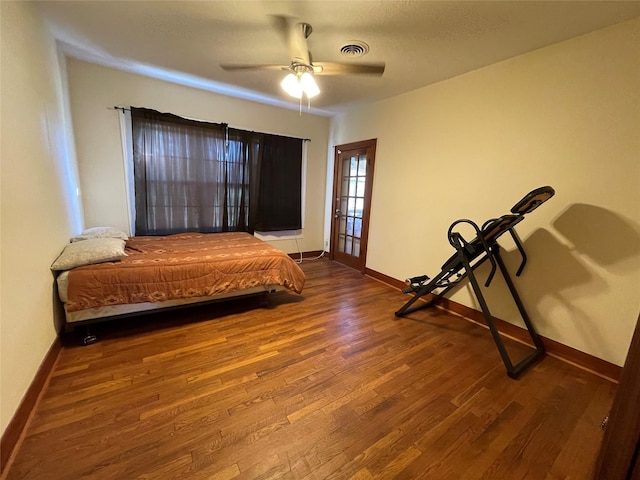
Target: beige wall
x=38 y=206
x=567 y=116
x=93 y=89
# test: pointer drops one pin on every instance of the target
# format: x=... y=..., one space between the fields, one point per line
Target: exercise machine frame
x=468 y=257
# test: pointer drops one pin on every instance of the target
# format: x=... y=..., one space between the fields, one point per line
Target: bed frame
x=86 y=318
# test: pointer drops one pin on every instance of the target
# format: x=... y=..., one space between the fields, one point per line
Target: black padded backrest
x=533 y=200
x=496 y=227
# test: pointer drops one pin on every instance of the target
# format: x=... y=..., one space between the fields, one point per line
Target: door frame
x=370 y=147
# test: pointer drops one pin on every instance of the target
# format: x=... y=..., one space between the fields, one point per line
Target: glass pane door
x=352 y=196
x=352 y=182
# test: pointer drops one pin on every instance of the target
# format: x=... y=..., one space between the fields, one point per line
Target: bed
x=160 y=272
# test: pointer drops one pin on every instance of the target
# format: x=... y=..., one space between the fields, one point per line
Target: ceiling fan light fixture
x=296 y=84
x=309 y=85
x=291 y=85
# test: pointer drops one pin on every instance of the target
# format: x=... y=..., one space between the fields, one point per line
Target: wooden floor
x=323 y=385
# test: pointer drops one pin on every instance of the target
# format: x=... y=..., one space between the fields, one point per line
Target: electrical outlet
x=326 y=244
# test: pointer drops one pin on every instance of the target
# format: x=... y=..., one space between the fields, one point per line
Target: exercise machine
x=468 y=256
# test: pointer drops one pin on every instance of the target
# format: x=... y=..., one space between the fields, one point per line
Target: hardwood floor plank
x=363 y=474
x=393 y=468
x=482 y=451
x=325 y=385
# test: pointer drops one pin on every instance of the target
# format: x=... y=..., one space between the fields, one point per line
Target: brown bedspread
x=179 y=266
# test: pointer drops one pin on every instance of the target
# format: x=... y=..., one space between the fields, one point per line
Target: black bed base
x=468 y=257
x=90 y=338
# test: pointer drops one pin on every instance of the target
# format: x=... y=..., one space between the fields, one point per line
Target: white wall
x=567 y=116
x=94 y=89
x=39 y=210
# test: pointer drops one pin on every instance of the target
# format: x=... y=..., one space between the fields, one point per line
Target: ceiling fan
x=301 y=70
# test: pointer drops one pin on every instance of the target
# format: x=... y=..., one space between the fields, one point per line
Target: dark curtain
x=180 y=175
x=205 y=177
x=243 y=149
x=279 y=202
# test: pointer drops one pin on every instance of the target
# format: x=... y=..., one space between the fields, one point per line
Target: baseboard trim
x=11 y=435
x=583 y=360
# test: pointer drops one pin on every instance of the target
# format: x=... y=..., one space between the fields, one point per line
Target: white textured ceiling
x=421 y=42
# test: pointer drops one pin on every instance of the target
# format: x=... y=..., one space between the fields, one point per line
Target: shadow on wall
x=555 y=266
x=551 y=272
x=551 y=269
x=608 y=239
x=558 y=268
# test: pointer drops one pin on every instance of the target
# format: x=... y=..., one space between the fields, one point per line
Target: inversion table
x=469 y=256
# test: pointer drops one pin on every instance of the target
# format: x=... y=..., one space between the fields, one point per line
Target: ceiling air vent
x=354 y=48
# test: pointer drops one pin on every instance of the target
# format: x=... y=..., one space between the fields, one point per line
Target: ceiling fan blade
x=297 y=34
x=337 y=68
x=294 y=34
x=234 y=67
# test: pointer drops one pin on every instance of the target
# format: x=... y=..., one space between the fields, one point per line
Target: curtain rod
x=125 y=109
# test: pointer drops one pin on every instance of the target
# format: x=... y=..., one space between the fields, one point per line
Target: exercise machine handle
x=458 y=242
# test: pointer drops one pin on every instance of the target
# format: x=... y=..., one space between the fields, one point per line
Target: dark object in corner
x=619 y=457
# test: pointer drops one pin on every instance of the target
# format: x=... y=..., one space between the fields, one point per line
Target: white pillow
x=100 y=232
x=87 y=252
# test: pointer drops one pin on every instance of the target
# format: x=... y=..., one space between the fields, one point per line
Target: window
x=206 y=177
x=279 y=200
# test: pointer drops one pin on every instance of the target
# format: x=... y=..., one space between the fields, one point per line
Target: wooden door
x=618 y=459
x=352 y=188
